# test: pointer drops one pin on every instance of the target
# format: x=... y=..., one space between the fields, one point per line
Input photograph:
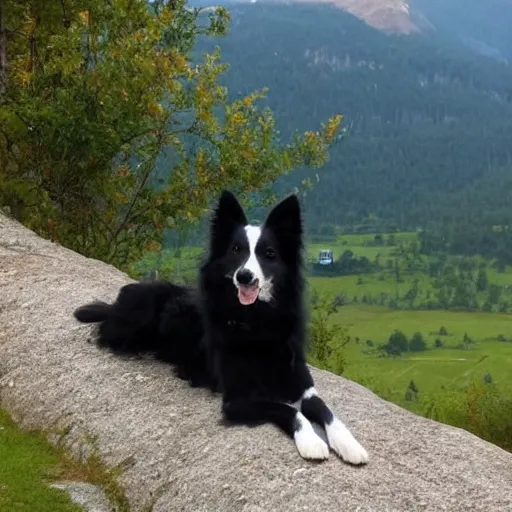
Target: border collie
x=242 y=333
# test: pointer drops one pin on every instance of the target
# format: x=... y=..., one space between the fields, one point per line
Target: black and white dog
x=242 y=333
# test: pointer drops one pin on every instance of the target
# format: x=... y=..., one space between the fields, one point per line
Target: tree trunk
x=3 y=50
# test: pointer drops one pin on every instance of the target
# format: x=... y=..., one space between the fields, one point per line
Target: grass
x=29 y=463
x=357 y=286
x=360 y=244
x=440 y=374
x=434 y=370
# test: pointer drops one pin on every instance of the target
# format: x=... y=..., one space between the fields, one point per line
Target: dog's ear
x=229 y=210
x=228 y=215
x=285 y=218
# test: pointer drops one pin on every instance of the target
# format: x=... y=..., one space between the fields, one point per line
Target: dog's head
x=256 y=259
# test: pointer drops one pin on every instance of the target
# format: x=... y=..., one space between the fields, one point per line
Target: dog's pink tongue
x=248 y=294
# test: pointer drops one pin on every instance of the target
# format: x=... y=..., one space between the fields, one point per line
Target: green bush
x=485 y=411
x=397 y=344
x=326 y=339
x=417 y=343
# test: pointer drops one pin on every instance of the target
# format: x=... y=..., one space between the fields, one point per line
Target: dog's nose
x=244 y=276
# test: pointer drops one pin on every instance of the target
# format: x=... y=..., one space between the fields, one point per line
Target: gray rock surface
x=90 y=497
x=176 y=454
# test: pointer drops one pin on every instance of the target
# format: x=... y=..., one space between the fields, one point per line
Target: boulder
x=168 y=438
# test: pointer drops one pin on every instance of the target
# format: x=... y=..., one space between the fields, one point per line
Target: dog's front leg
x=291 y=421
x=339 y=436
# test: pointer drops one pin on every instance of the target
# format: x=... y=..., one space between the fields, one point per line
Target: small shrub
x=339 y=300
x=417 y=343
x=485 y=410
x=468 y=343
x=411 y=393
x=397 y=344
x=326 y=339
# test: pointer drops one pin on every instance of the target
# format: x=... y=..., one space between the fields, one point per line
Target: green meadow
x=434 y=370
x=358 y=244
x=444 y=376
x=27 y=466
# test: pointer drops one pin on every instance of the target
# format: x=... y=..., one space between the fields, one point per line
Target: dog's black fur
x=253 y=354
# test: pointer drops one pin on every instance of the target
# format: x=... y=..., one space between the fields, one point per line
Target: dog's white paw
x=345 y=444
x=309 y=444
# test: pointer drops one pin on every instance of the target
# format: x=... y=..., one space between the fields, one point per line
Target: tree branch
x=65 y=19
x=149 y=168
x=3 y=53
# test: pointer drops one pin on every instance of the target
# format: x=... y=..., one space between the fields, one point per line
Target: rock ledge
x=180 y=457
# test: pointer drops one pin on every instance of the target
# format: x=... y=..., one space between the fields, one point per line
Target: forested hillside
x=428 y=122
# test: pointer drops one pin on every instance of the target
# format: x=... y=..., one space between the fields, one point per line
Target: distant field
x=433 y=371
x=383 y=282
x=358 y=244
x=435 y=368
x=353 y=286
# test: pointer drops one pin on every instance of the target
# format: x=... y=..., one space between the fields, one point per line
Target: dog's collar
x=235 y=324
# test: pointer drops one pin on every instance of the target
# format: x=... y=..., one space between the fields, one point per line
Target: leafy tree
x=467 y=339
x=487 y=307
x=339 y=300
x=467 y=343
x=412 y=293
x=503 y=307
x=464 y=295
x=391 y=240
x=396 y=344
x=438 y=343
x=494 y=294
x=417 y=343
x=482 y=281
x=398 y=277
x=112 y=129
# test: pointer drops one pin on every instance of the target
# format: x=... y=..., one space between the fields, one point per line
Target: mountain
x=392 y=16
x=427 y=117
x=482 y=25
x=387 y=15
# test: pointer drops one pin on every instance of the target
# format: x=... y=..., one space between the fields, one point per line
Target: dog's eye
x=270 y=253
x=235 y=248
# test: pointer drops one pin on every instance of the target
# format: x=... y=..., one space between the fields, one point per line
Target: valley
x=463 y=361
